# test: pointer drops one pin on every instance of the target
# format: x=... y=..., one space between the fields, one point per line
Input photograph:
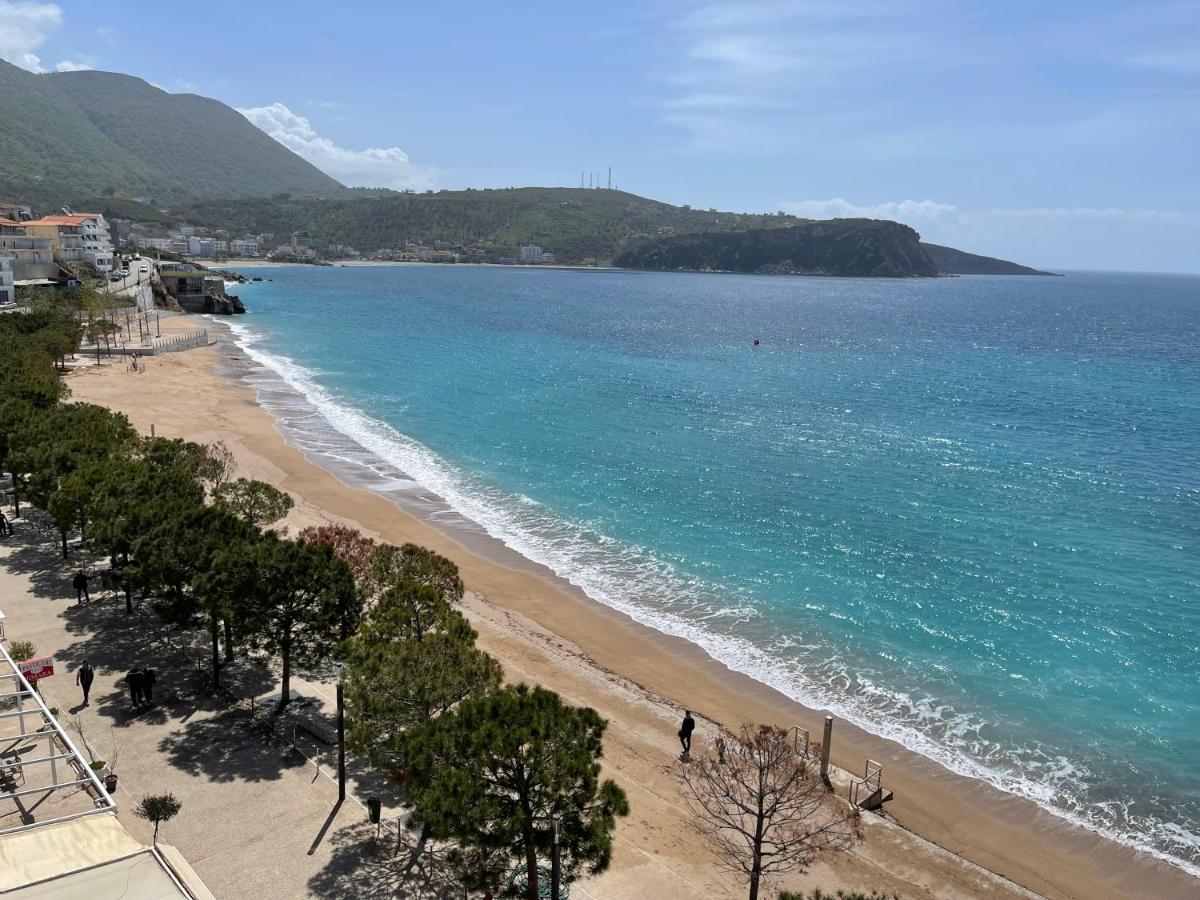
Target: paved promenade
x=258 y=819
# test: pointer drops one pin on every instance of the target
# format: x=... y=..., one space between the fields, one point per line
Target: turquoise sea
x=964 y=513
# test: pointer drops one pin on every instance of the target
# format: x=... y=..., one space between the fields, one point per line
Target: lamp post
x=555 y=868
x=341 y=725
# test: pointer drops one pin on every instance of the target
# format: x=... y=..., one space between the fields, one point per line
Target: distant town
x=41 y=250
x=301 y=246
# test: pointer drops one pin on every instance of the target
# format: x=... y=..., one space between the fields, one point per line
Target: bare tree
x=763 y=808
x=219 y=465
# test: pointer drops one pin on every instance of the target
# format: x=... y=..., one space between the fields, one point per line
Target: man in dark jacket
x=685 y=732
x=136 y=680
x=80 y=583
x=84 y=678
x=148 y=684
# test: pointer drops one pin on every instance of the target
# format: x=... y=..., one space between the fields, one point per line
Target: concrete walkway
x=258 y=819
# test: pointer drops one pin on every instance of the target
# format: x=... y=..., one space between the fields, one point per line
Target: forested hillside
x=848 y=247
x=573 y=223
x=68 y=135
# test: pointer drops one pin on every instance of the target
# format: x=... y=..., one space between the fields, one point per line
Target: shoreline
x=1001 y=832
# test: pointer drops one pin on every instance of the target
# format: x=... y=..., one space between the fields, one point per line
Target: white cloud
x=1182 y=62
x=24 y=26
x=910 y=212
x=374 y=167
x=69 y=65
x=931 y=213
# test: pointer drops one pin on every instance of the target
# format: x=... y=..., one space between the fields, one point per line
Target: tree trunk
x=63 y=535
x=125 y=583
x=756 y=864
x=419 y=849
x=285 y=687
x=16 y=496
x=531 y=892
x=214 y=633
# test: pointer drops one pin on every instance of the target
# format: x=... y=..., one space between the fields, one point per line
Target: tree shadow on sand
x=365 y=866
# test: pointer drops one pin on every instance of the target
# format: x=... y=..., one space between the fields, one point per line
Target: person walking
x=685 y=733
x=80 y=583
x=5 y=525
x=148 y=678
x=84 y=678
x=136 y=680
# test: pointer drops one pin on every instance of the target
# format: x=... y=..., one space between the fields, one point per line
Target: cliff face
x=959 y=262
x=847 y=247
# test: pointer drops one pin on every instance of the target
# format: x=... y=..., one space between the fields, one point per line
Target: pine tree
x=493 y=773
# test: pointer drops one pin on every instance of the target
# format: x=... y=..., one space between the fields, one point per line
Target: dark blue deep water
x=963 y=512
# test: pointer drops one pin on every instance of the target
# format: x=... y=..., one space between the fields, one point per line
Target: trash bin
x=373 y=809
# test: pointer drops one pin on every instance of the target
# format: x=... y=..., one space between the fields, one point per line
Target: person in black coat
x=685 y=732
x=84 y=678
x=136 y=680
x=80 y=583
x=148 y=678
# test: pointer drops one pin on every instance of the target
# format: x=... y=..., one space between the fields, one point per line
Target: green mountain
x=573 y=223
x=959 y=262
x=68 y=135
x=848 y=247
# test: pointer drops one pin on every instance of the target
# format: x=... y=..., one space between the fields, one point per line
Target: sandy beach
x=944 y=835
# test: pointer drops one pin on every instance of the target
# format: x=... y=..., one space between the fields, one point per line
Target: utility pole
x=826 y=744
x=610 y=178
x=341 y=720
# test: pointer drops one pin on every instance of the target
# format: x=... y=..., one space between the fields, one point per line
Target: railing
x=861 y=789
x=186 y=341
x=800 y=741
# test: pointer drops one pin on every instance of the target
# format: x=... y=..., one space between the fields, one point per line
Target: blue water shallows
x=964 y=513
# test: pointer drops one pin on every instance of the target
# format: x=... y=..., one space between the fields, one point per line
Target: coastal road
x=139 y=274
x=136 y=285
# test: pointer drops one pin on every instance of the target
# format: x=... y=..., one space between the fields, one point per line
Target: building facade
x=32 y=257
x=8 y=288
x=76 y=237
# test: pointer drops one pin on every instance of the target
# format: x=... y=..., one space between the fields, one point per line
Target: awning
x=90 y=858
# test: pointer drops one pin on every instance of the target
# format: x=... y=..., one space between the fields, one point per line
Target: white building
x=531 y=254
x=153 y=243
x=244 y=248
x=8 y=291
x=77 y=237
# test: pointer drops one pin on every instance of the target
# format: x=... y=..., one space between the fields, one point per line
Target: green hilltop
x=67 y=135
x=863 y=248
x=573 y=223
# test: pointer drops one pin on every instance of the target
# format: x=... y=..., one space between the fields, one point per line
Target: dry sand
x=944 y=834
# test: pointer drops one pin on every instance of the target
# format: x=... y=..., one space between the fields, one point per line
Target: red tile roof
x=60 y=220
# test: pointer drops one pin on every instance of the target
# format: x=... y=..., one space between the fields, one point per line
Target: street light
x=341 y=719
x=555 y=868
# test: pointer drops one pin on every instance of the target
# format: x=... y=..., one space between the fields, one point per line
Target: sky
x=1060 y=134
